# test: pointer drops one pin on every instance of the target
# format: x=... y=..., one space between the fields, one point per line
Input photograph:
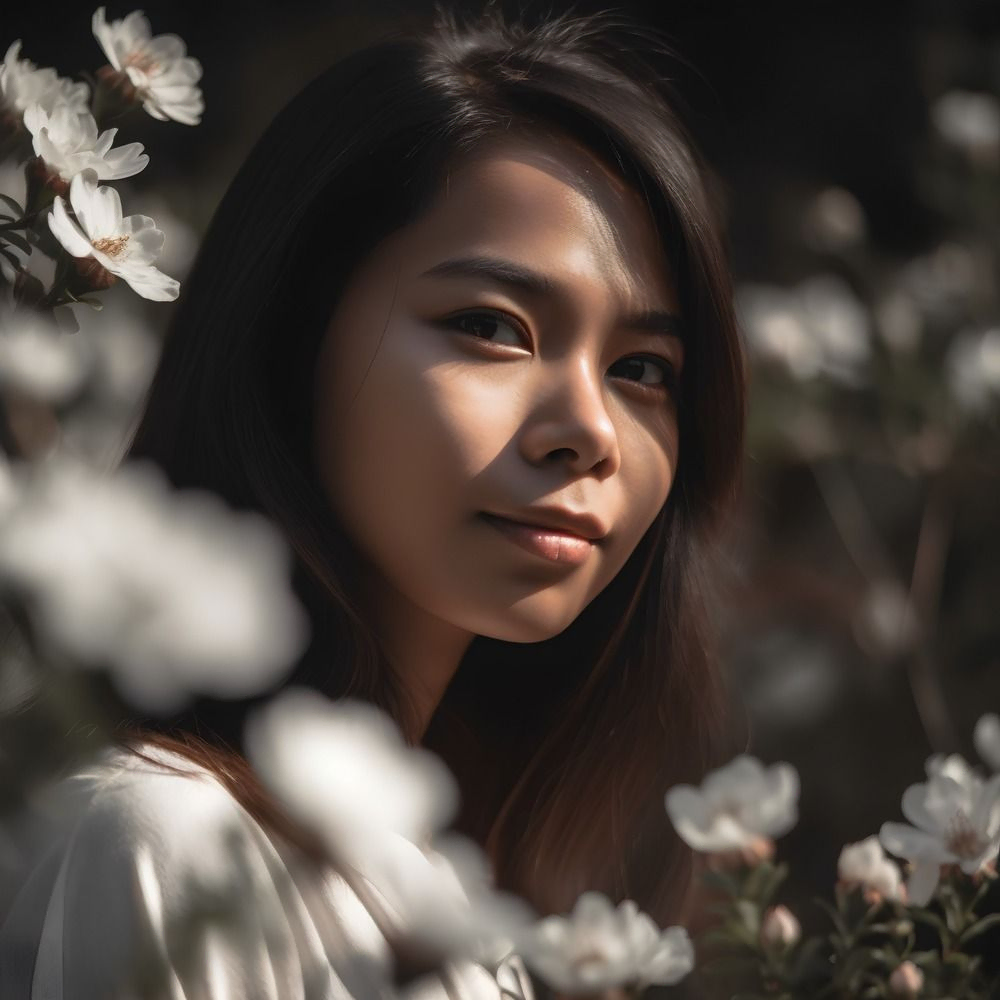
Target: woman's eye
x=488 y=324
x=654 y=373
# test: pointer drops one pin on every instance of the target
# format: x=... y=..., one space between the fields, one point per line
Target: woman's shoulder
x=156 y=796
x=131 y=858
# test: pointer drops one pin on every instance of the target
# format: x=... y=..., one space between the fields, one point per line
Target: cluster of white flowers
x=955 y=817
x=818 y=328
x=72 y=154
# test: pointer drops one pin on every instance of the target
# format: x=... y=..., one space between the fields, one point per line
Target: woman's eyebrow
x=514 y=275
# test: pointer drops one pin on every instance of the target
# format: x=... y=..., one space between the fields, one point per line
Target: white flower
x=600 y=947
x=164 y=77
x=817 y=328
x=40 y=360
x=973 y=369
x=125 y=246
x=780 y=928
x=22 y=84
x=736 y=805
x=865 y=864
x=986 y=737
x=343 y=769
x=956 y=820
x=68 y=142
x=172 y=591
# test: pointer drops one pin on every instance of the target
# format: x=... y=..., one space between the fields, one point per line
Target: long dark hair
x=562 y=748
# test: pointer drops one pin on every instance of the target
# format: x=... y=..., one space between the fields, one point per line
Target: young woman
x=462 y=327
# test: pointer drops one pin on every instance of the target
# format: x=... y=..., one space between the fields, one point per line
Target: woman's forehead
x=552 y=201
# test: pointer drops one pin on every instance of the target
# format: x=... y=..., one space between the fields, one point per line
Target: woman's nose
x=570 y=419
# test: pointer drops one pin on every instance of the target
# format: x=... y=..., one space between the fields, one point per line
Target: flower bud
x=906 y=981
x=779 y=928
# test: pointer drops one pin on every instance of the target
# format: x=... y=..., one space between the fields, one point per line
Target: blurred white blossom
x=941 y=282
x=885 y=617
x=737 y=804
x=164 y=77
x=172 y=591
x=23 y=84
x=780 y=928
x=835 y=220
x=986 y=737
x=899 y=321
x=973 y=369
x=956 y=820
x=969 y=121
x=342 y=769
x=441 y=898
x=817 y=328
x=124 y=246
x=67 y=140
x=600 y=947
x=865 y=864
x=36 y=358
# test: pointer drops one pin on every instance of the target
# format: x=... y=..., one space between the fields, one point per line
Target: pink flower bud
x=906 y=981
x=779 y=929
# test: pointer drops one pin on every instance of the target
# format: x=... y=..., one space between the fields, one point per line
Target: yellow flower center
x=112 y=246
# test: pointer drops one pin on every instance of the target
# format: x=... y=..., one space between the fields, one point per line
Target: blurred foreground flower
x=342 y=769
x=164 y=77
x=68 y=143
x=124 y=247
x=23 y=84
x=738 y=809
x=956 y=820
x=36 y=358
x=864 y=864
x=600 y=947
x=172 y=591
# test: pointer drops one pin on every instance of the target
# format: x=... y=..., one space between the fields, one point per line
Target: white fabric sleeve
x=165 y=888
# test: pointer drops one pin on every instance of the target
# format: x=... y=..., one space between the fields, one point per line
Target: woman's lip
x=556 y=546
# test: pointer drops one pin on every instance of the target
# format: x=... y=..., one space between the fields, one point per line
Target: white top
x=95 y=877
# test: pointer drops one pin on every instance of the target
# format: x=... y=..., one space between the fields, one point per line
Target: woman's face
x=531 y=377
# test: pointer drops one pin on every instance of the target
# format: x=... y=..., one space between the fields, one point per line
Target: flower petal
x=68 y=232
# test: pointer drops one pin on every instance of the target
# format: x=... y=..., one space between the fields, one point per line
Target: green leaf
x=980 y=927
x=18 y=241
x=20 y=213
x=721 y=880
x=838 y=921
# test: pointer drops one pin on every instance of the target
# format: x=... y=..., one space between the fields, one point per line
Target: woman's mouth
x=555 y=546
